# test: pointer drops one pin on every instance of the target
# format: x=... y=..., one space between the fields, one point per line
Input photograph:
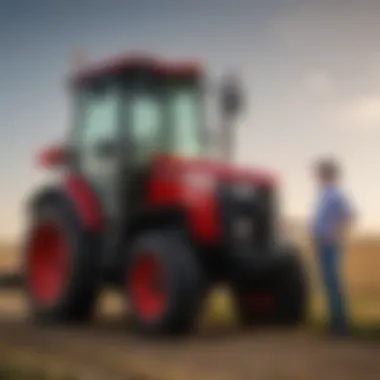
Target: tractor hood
x=216 y=170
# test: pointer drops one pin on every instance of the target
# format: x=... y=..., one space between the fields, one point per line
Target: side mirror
x=231 y=96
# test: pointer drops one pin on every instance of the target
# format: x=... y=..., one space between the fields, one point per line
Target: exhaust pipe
x=231 y=104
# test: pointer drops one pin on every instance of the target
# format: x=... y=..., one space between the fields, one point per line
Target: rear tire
x=172 y=308
x=279 y=298
x=62 y=264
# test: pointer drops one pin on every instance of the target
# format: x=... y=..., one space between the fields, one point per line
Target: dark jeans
x=329 y=256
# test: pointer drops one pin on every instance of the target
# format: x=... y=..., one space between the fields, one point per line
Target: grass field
x=244 y=354
x=9 y=258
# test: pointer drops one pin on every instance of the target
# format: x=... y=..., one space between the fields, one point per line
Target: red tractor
x=139 y=205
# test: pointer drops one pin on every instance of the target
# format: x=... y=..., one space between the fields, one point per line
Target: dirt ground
x=107 y=349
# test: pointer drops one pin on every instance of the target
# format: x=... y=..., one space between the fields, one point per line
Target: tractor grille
x=247 y=215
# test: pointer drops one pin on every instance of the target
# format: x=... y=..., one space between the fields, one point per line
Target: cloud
x=319 y=82
x=363 y=112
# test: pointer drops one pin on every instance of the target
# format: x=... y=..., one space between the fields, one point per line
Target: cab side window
x=185 y=116
x=97 y=124
x=99 y=120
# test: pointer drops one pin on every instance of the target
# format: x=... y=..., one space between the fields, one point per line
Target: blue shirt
x=332 y=209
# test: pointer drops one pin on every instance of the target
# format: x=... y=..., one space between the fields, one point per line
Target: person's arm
x=346 y=218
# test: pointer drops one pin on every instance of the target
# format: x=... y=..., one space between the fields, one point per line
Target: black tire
x=183 y=284
x=76 y=299
x=286 y=291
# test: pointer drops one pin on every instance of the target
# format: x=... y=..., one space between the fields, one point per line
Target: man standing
x=333 y=216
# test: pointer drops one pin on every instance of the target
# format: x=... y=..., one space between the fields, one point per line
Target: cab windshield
x=186 y=120
x=169 y=119
x=153 y=115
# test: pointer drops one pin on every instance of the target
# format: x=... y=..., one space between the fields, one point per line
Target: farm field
x=219 y=350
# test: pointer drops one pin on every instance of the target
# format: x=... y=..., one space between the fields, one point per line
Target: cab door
x=96 y=142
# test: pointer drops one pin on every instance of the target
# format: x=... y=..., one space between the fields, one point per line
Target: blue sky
x=311 y=70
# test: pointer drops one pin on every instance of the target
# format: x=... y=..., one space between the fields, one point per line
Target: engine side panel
x=201 y=207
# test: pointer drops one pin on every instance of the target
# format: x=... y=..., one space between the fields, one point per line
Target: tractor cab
x=128 y=113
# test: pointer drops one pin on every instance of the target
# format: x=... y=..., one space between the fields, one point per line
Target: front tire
x=164 y=283
x=62 y=264
x=277 y=298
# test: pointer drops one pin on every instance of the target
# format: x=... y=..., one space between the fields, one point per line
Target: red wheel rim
x=146 y=287
x=48 y=264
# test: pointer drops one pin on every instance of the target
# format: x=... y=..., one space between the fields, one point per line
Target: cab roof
x=118 y=64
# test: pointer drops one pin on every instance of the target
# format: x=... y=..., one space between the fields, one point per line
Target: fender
x=79 y=192
x=85 y=201
x=43 y=194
